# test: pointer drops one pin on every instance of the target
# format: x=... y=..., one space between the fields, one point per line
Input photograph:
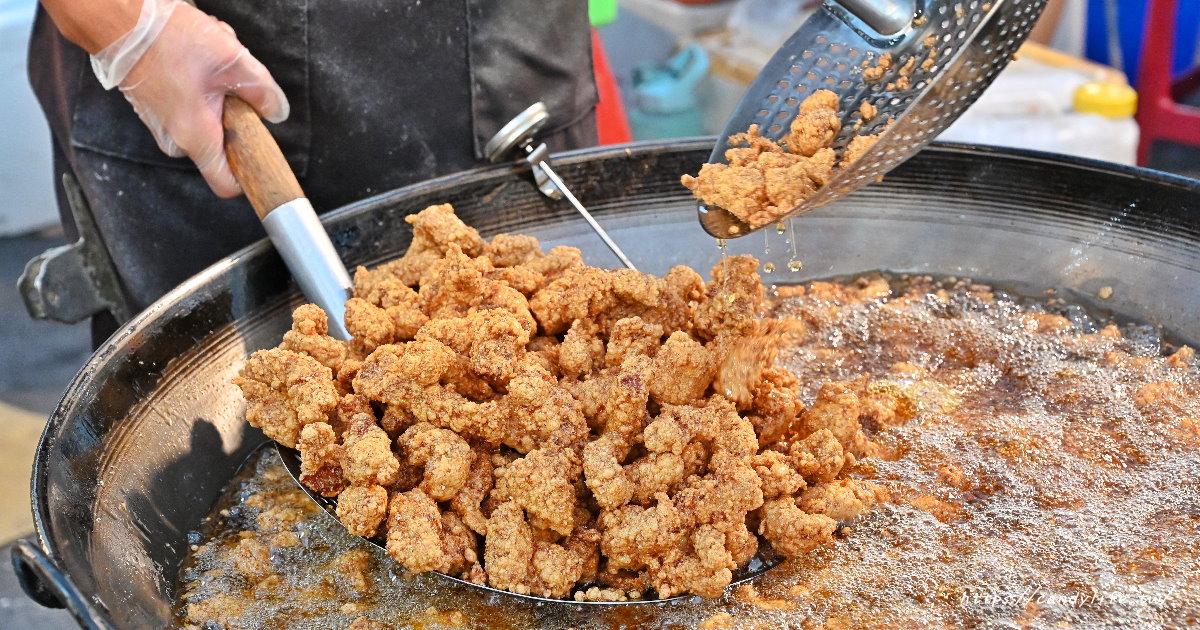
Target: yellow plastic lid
x=1111 y=100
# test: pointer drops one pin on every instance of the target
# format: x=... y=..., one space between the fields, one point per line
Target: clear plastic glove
x=175 y=67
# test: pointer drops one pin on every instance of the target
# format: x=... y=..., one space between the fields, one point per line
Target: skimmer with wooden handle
x=943 y=53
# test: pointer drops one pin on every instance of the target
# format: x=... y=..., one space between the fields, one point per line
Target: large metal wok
x=151 y=429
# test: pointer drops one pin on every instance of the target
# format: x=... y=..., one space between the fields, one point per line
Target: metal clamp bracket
x=72 y=282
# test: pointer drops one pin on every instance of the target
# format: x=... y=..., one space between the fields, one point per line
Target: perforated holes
x=835 y=48
x=796 y=70
x=811 y=76
x=808 y=54
x=773 y=98
x=774 y=128
x=844 y=84
x=783 y=115
x=829 y=80
x=823 y=62
x=821 y=39
x=792 y=101
x=784 y=84
x=762 y=113
x=853 y=52
x=840 y=67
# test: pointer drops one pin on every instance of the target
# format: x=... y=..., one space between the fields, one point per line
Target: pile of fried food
x=521 y=420
x=763 y=180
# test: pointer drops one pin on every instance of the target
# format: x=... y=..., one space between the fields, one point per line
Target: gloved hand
x=175 y=67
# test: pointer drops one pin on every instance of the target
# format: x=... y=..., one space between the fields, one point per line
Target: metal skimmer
x=944 y=53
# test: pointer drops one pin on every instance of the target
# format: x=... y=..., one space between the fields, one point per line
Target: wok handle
x=45 y=584
x=255 y=159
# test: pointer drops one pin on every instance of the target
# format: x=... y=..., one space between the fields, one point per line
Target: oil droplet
x=795 y=265
x=780 y=228
x=769 y=267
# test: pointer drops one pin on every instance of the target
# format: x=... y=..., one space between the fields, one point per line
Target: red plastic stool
x=611 y=124
x=1160 y=115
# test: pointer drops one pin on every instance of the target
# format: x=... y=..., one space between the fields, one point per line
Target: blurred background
x=1108 y=79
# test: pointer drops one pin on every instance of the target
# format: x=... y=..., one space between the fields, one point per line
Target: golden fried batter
x=536 y=444
x=310 y=335
x=763 y=181
x=285 y=391
x=446 y=457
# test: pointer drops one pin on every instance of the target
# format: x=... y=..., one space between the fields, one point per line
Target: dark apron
x=383 y=93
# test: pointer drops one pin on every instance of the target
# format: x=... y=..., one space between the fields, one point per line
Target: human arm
x=174 y=64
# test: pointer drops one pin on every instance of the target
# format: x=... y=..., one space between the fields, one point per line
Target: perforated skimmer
x=943 y=54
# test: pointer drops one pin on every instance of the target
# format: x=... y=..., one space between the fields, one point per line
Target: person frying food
x=365 y=96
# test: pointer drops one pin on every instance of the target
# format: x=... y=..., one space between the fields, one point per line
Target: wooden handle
x=255 y=159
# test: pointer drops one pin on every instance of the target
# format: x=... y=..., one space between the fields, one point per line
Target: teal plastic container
x=663 y=102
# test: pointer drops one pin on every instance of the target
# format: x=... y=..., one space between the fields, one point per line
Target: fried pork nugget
x=468 y=500
x=486 y=421
x=816 y=125
x=775 y=406
x=557 y=262
x=370 y=325
x=731 y=487
x=557 y=568
x=459 y=543
x=398 y=300
x=542 y=483
x=508 y=549
x=362 y=508
x=777 y=475
x=837 y=408
x=655 y=301
x=310 y=335
x=717 y=423
x=493 y=340
x=603 y=472
x=435 y=230
x=840 y=499
x=734 y=301
x=510 y=250
x=321 y=459
x=416 y=536
x=655 y=473
x=792 y=531
x=452 y=285
x=582 y=350
x=701 y=570
x=445 y=456
x=632 y=336
x=580 y=293
x=738 y=189
x=392 y=373
x=540 y=411
x=285 y=391
x=818 y=457
x=368 y=458
x=632 y=535
x=683 y=370
x=624 y=412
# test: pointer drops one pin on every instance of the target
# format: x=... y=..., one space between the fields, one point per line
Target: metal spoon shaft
x=587 y=216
